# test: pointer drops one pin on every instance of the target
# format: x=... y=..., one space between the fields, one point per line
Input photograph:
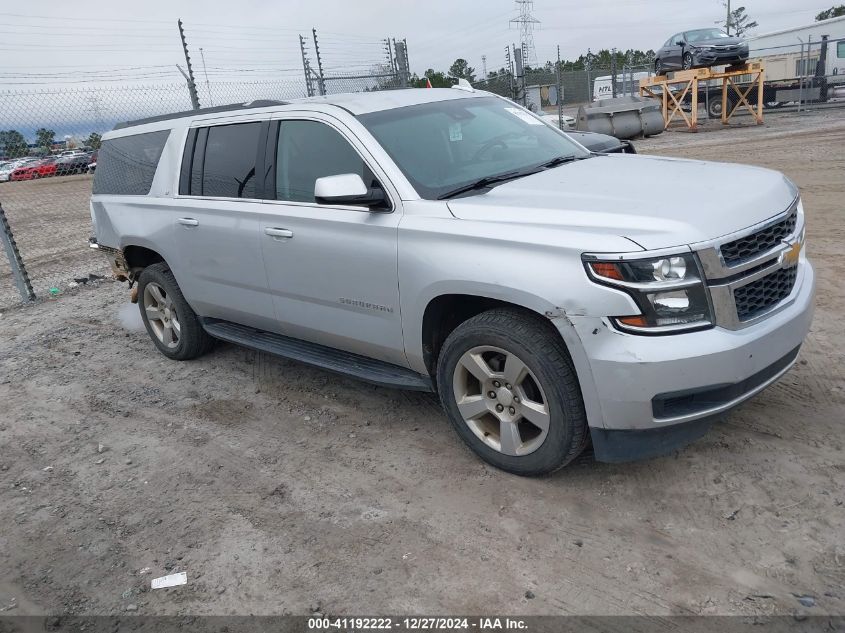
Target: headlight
x=668 y=291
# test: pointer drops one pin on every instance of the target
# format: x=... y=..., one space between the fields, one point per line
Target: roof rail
x=260 y=103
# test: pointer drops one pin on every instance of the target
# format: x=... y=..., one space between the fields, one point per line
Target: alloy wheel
x=161 y=315
x=501 y=400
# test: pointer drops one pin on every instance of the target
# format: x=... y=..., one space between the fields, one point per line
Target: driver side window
x=308 y=150
x=678 y=39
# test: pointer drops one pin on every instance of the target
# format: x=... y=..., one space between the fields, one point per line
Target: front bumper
x=648 y=395
x=717 y=58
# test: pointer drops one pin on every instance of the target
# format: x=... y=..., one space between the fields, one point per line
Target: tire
x=658 y=68
x=546 y=386
x=172 y=325
x=686 y=64
x=714 y=106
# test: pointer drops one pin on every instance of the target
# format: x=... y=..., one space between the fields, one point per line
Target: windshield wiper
x=560 y=160
x=483 y=183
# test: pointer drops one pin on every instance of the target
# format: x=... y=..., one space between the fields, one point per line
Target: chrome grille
x=750 y=246
x=758 y=296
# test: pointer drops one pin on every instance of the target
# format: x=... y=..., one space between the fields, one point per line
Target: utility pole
x=192 y=85
x=207 y=84
x=728 y=19
x=484 y=66
x=321 y=82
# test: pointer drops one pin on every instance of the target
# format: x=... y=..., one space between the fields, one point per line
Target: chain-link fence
x=48 y=151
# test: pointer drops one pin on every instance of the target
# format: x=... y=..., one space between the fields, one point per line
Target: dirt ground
x=279 y=488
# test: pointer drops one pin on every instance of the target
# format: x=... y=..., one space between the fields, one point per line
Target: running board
x=367 y=369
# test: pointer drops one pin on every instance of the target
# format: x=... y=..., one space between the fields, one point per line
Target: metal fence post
x=321 y=83
x=192 y=85
x=402 y=63
x=309 y=87
x=559 y=93
x=520 y=76
x=15 y=261
x=613 y=71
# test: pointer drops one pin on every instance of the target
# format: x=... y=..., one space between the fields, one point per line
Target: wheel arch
x=444 y=311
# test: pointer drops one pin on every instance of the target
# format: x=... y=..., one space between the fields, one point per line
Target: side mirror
x=348 y=189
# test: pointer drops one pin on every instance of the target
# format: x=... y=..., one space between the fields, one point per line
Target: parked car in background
x=7 y=168
x=38 y=169
x=72 y=164
x=700 y=48
x=567 y=121
x=92 y=163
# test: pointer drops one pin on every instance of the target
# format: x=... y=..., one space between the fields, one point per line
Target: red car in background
x=41 y=169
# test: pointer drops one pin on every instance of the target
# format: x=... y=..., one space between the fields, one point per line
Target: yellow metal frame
x=688 y=80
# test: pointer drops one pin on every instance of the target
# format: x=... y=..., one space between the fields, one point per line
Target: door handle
x=188 y=222
x=278 y=232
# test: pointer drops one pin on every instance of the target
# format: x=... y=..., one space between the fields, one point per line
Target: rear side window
x=221 y=161
x=126 y=165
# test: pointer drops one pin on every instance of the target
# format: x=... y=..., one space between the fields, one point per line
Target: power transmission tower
x=526 y=23
x=484 y=66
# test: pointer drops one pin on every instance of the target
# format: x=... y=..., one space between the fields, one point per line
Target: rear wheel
x=171 y=323
x=507 y=384
x=658 y=68
x=714 y=106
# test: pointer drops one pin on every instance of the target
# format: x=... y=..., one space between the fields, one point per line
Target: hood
x=654 y=201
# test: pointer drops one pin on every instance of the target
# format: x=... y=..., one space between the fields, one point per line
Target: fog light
x=670 y=301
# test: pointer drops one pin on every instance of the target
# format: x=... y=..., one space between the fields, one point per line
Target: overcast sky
x=114 y=40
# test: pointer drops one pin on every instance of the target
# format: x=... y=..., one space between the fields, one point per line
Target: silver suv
x=452 y=241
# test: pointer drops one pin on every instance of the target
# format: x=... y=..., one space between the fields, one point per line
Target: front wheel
x=687 y=61
x=508 y=386
x=171 y=323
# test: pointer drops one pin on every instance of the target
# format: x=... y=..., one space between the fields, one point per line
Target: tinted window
x=228 y=170
x=126 y=166
x=308 y=150
x=840 y=49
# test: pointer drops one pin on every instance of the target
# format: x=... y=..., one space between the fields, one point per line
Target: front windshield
x=445 y=145
x=705 y=34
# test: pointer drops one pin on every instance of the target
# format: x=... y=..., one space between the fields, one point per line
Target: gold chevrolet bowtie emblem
x=790 y=257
